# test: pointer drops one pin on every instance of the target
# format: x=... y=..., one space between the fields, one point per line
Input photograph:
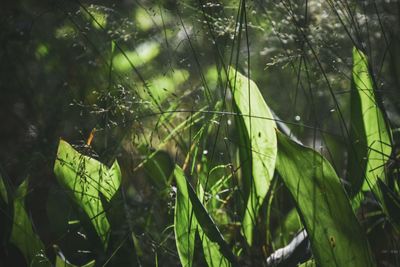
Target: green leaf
x=204 y=221
x=185 y=223
x=335 y=234
x=22 y=234
x=309 y=263
x=210 y=249
x=370 y=139
x=212 y=254
x=96 y=15
x=287 y=229
x=62 y=262
x=391 y=203
x=85 y=177
x=158 y=167
x=257 y=148
x=163 y=87
x=143 y=54
x=3 y=190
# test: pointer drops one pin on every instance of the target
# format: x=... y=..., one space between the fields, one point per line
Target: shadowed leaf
x=3 y=190
x=335 y=234
x=22 y=234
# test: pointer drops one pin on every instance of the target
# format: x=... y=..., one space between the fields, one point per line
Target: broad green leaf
x=22 y=234
x=86 y=177
x=210 y=249
x=204 y=221
x=335 y=234
x=257 y=148
x=185 y=223
x=370 y=139
x=212 y=254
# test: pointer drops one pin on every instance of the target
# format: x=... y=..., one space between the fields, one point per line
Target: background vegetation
x=149 y=89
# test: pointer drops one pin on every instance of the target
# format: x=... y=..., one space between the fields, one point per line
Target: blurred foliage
x=151 y=78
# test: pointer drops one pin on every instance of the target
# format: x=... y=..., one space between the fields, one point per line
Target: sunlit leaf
x=309 y=263
x=184 y=221
x=97 y=15
x=85 y=177
x=143 y=54
x=22 y=234
x=163 y=86
x=370 y=139
x=335 y=234
x=257 y=146
x=204 y=221
x=147 y=20
x=212 y=254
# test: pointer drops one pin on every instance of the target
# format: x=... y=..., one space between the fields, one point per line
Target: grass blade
x=257 y=148
x=335 y=234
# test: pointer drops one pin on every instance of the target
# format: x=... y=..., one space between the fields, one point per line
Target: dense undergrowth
x=230 y=133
